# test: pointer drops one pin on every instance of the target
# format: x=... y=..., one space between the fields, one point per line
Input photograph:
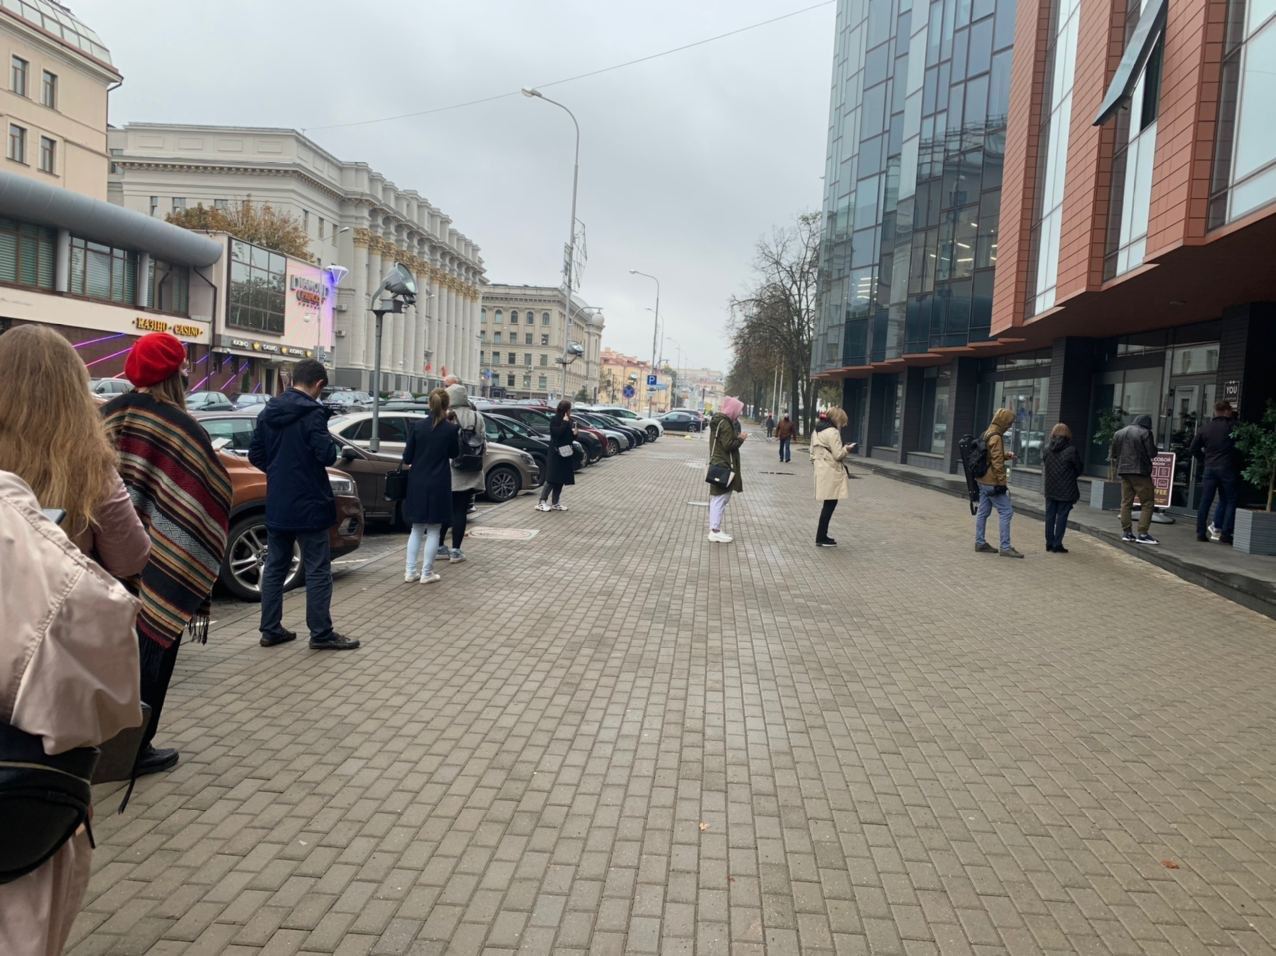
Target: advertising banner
x=1162 y=478
x=308 y=301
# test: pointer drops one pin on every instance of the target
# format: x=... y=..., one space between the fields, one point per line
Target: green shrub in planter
x=1256 y=441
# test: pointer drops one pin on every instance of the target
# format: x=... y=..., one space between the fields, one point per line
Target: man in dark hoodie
x=1131 y=454
x=292 y=446
x=1216 y=445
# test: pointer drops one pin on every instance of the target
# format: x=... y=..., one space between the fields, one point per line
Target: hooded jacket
x=1002 y=419
x=827 y=456
x=1060 y=468
x=467 y=416
x=292 y=446
x=1133 y=449
x=1216 y=444
x=724 y=449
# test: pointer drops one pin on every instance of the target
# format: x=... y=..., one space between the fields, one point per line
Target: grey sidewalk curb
x=1250 y=592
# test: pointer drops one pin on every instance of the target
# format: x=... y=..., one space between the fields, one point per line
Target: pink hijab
x=732 y=407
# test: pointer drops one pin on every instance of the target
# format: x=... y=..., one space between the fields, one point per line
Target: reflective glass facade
x=1245 y=157
x=912 y=184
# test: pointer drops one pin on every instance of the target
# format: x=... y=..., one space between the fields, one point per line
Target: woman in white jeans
x=432 y=444
x=725 y=439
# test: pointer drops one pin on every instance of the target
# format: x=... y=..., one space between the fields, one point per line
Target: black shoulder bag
x=719 y=476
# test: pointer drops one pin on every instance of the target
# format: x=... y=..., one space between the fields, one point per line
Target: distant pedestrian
x=994 y=490
x=467 y=467
x=292 y=445
x=561 y=461
x=432 y=445
x=1131 y=454
x=725 y=439
x=1061 y=466
x=785 y=431
x=58 y=445
x=181 y=491
x=828 y=457
x=68 y=683
x=770 y=425
x=1215 y=444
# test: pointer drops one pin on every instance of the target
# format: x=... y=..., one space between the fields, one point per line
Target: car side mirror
x=349 y=454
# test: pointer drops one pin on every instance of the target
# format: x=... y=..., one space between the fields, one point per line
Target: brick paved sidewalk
x=616 y=736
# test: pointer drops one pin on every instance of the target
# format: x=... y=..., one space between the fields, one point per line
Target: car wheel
x=580 y=462
x=613 y=447
x=595 y=454
x=246 y=557
x=502 y=483
x=652 y=433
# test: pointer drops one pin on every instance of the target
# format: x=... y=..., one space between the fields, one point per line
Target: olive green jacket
x=724 y=449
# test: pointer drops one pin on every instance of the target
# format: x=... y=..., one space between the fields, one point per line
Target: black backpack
x=473 y=444
x=974 y=455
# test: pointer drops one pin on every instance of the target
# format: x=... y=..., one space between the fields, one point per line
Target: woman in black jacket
x=432 y=444
x=1061 y=467
x=560 y=463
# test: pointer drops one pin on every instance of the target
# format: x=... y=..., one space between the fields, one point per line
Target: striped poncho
x=182 y=493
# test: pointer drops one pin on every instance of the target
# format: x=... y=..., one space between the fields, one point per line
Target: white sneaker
x=409 y=577
x=720 y=537
x=557 y=507
x=456 y=556
x=430 y=578
x=542 y=506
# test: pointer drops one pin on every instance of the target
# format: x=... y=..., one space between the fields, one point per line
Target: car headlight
x=341 y=486
x=527 y=459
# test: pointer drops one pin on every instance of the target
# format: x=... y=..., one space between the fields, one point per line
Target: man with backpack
x=1131 y=454
x=467 y=467
x=986 y=463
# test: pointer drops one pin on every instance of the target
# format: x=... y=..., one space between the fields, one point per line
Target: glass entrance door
x=1190 y=404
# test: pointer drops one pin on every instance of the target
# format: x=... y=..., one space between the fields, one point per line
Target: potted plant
x=1256 y=441
x=1105 y=494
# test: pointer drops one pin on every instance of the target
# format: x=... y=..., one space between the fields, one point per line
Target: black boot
x=152 y=760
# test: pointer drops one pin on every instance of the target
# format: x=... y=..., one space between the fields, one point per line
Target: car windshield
x=514 y=425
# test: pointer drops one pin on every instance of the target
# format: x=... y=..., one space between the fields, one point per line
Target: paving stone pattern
x=618 y=737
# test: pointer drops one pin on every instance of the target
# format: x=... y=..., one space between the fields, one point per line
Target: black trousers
x=460 y=509
x=155 y=680
x=826 y=514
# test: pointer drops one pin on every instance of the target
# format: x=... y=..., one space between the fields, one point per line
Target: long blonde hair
x=51 y=435
x=439 y=402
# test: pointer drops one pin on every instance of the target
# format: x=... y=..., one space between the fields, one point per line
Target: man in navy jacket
x=292 y=446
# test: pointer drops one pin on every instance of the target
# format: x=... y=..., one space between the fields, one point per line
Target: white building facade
x=524 y=336
x=353 y=216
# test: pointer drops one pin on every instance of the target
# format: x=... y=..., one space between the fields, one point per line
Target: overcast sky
x=685 y=161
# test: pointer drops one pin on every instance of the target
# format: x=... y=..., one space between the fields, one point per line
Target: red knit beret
x=155 y=357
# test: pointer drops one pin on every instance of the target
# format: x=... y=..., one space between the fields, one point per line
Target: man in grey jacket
x=1131 y=454
x=465 y=483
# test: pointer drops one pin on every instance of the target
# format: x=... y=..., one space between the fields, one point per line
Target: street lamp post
x=399 y=287
x=654 y=329
x=569 y=265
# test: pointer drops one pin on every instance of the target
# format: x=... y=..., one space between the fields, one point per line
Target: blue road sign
x=651 y=380
x=629 y=391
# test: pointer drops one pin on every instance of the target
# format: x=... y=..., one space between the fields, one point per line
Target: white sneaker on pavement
x=410 y=576
x=542 y=506
x=557 y=507
x=430 y=578
x=720 y=537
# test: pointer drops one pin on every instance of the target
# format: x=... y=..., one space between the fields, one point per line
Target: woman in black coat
x=432 y=444
x=1061 y=467
x=561 y=461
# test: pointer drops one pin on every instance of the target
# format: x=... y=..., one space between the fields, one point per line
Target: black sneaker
x=152 y=760
x=985 y=548
x=1009 y=553
x=283 y=636
x=826 y=543
x=1146 y=539
x=1128 y=537
x=334 y=642
x=1060 y=549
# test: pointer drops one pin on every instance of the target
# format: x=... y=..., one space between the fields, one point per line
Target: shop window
x=257 y=289
x=890 y=410
x=936 y=385
x=103 y=272
x=26 y=254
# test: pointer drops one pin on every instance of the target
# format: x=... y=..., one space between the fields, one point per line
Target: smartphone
x=54 y=514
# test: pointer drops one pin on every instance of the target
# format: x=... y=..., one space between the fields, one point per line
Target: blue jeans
x=427 y=534
x=786 y=449
x=1056 y=521
x=316 y=558
x=1224 y=483
x=988 y=501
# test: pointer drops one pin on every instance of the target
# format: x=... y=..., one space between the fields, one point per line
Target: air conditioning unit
x=340 y=333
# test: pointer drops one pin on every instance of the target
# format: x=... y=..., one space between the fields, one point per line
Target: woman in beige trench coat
x=828 y=454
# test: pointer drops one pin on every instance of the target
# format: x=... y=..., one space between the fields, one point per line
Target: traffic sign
x=629 y=391
x=651 y=380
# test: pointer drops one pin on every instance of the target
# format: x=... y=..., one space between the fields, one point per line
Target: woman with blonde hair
x=52 y=437
x=432 y=444
x=828 y=452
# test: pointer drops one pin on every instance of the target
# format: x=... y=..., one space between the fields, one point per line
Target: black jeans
x=1216 y=480
x=826 y=514
x=551 y=488
x=316 y=558
x=155 y=689
x=460 y=508
x=1056 y=521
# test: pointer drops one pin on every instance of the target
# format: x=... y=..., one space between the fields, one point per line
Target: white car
x=651 y=426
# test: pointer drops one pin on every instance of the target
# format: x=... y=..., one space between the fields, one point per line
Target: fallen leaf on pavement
x=703 y=826
x=1169 y=864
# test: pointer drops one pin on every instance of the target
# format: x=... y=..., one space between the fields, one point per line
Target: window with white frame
x=1245 y=145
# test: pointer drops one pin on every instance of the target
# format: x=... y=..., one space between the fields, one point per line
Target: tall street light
x=571 y=231
x=654 y=329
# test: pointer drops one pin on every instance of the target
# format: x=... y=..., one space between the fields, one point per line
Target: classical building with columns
x=524 y=337
x=354 y=217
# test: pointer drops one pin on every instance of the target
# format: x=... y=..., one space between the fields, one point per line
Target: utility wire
x=579 y=76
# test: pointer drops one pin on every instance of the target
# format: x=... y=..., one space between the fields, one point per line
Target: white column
x=370 y=335
x=352 y=350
